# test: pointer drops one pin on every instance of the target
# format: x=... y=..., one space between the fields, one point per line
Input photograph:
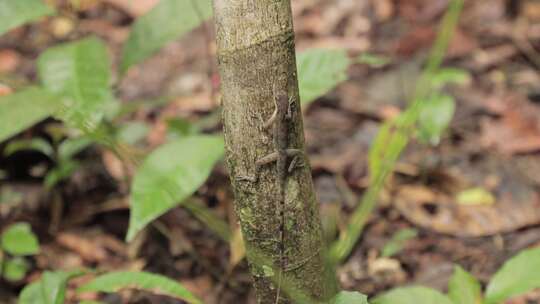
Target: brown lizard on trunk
x=279 y=121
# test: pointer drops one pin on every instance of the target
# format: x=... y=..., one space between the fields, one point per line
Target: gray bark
x=256 y=55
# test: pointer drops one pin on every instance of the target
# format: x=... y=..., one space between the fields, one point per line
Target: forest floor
x=493 y=143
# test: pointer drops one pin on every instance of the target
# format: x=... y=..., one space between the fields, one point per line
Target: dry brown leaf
x=436 y=211
x=384 y=9
x=518 y=131
x=9 y=60
x=238 y=250
x=200 y=286
x=88 y=249
x=135 y=8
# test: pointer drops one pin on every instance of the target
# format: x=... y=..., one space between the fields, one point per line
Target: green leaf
x=373 y=60
x=23 y=109
x=412 y=295
x=79 y=72
x=157 y=284
x=72 y=146
x=133 y=132
x=53 y=285
x=179 y=127
x=50 y=289
x=517 y=276
x=19 y=239
x=169 y=175
x=475 y=196
x=319 y=71
x=463 y=288
x=15 y=13
x=386 y=148
x=15 y=269
x=446 y=76
x=64 y=170
x=434 y=117
x=36 y=144
x=31 y=294
x=398 y=241
x=349 y=297
x=167 y=21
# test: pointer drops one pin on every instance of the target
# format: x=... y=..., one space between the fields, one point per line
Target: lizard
x=279 y=121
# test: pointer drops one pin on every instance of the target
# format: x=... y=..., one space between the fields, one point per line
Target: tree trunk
x=256 y=56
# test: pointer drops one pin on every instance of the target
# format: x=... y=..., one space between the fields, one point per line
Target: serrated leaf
x=434 y=117
x=349 y=297
x=463 y=288
x=53 y=285
x=15 y=269
x=517 y=276
x=19 y=239
x=16 y=13
x=475 y=196
x=319 y=71
x=79 y=72
x=36 y=144
x=157 y=284
x=167 y=21
x=169 y=175
x=412 y=295
x=23 y=109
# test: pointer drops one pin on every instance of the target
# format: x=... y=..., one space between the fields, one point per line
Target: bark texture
x=256 y=56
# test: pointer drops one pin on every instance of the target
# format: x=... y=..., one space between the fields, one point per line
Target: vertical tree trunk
x=256 y=57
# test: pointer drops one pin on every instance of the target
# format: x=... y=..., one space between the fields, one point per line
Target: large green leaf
x=319 y=71
x=23 y=109
x=53 y=285
x=50 y=289
x=17 y=12
x=517 y=276
x=79 y=72
x=157 y=284
x=412 y=295
x=169 y=175
x=166 y=22
x=31 y=294
x=349 y=297
x=18 y=239
x=463 y=288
